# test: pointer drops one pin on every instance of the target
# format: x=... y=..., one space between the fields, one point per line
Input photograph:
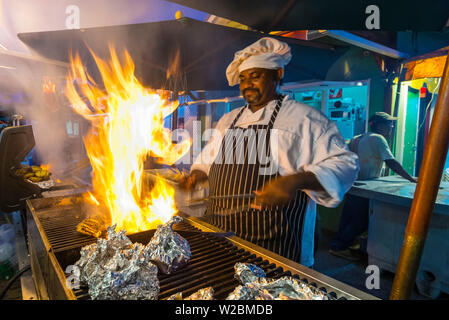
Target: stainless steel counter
x=398 y=191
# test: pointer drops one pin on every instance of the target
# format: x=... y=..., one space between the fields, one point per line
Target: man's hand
x=278 y=191
x=281 y=190
x=398 y=169
x=191 y=181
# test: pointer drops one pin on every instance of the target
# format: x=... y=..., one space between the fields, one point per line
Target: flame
x=48 y=86
x=45 y=166
x=127 y=126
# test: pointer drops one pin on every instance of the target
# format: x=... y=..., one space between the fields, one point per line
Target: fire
x=127 y=126
x=45 y=166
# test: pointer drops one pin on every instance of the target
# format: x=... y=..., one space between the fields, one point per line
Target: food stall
x=53 y=218
x=56 y=242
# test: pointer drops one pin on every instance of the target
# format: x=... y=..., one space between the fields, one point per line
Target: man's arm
x=325 y=180
x=394 y=165
x=387 y=156
x=283 y=189
x=189 y=182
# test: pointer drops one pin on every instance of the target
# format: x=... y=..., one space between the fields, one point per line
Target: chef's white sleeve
x=335 y=167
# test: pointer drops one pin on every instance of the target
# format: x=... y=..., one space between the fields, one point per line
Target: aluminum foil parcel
x=248 y=272
x=168 y=250
x=115 y=268
x=202 y=294
x=255 y=286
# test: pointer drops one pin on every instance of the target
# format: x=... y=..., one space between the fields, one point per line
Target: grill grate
x=212 y=261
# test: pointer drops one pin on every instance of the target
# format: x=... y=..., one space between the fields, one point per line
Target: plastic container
x=7 y=233
x=7 y=251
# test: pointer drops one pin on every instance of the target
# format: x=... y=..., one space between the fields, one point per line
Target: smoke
x=54 y=123
x=45 y=105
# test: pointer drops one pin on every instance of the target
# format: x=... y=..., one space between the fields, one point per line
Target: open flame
x=127 y=126
x=45 y=166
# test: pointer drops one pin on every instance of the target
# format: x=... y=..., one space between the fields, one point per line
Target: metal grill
x=212 y=262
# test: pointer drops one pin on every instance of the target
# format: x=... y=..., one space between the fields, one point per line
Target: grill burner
x=212 y=262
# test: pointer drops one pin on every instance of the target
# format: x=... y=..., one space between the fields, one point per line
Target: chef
x=286 y=154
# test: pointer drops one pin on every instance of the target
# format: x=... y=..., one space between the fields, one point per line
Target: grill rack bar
x=212 y=262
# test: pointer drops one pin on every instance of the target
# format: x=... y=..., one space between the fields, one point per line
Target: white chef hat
x=266 y=53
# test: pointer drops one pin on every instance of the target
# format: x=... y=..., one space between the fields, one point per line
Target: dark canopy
x=279 y=15
x=205 y=50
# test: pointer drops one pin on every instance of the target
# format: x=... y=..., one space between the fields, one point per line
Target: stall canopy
x=204 y=50
x=277 y=15
x=430 y=65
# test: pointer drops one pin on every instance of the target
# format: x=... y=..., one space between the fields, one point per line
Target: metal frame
x=26 y=280
x=426 y=192
x=365 y=43
x=46 y=269
x=50 y=279
x=314 y=276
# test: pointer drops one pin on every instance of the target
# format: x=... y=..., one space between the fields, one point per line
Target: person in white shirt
x=373 y=151
x=288 y=154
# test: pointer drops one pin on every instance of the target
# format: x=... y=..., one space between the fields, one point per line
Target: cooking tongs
x=230 y=197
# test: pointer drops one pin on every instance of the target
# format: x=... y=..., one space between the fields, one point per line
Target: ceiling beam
x=365 y=44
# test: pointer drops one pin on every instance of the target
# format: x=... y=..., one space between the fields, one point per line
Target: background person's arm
x=397 y=168
x=388 y=157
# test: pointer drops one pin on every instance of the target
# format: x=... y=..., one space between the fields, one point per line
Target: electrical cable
x=12 y=280
x=437 y=87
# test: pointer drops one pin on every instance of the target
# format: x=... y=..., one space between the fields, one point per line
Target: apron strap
x=273 y=115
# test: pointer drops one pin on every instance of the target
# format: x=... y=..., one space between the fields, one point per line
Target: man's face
x=258 y=86
x=385 y=128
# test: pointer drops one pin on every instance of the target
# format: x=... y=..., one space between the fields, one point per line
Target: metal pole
x=425 y=195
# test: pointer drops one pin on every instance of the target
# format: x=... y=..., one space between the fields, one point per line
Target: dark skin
x=259 y=87
x=385 y=129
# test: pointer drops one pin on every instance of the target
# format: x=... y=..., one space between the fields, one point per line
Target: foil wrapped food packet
x=285 y=288
x=168 y=250
x=202 y=294
x=288 y=288
x=255 y=286
x=248 y=272
x=250 y=291
x=115 y=268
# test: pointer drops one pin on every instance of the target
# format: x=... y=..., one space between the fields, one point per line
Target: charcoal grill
x=54 y=244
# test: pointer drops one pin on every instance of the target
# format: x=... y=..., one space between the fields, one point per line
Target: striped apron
x=235 y=171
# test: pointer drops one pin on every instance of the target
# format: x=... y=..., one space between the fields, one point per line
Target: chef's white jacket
x=304 y=139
